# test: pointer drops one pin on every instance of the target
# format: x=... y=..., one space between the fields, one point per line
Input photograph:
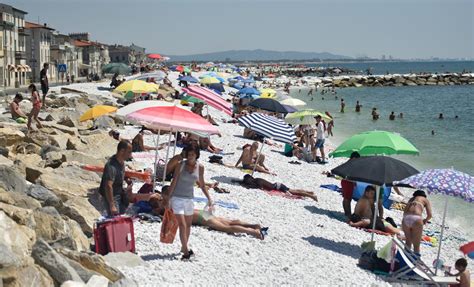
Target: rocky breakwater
x=48 y=203
x=396 y=80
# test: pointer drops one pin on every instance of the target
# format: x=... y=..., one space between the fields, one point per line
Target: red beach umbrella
x=155 y=56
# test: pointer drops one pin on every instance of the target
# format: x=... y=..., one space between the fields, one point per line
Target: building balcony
x=22 y=31
x=20 y=55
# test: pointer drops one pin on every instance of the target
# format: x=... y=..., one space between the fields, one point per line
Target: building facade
x=38 y=45
x=64 y=52
x=132 y=54
x=14 y=70
x=94 y=55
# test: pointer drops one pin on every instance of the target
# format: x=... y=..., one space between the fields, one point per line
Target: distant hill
x=256 y=55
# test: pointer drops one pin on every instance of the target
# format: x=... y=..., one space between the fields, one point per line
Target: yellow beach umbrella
x=293 y=102
x=210 y=80
x=136 y=87
x=96 y=112
x=267 y=93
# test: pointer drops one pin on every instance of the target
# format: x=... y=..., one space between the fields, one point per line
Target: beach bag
x=216 y=159
x=169 y=226
x=367 y=260
x=160 y=169
x=114 y=235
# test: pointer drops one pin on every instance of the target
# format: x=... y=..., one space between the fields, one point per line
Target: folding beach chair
x=415 y=271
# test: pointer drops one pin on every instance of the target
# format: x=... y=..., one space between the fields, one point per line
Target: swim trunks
x=281 y=187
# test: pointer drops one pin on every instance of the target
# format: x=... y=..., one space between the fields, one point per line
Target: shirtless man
x=249 y=159
x=363 y=214
x=15 y=108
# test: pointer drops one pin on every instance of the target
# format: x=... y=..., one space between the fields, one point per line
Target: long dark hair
x=191 y=147
x=33 y=87
x=419 y=193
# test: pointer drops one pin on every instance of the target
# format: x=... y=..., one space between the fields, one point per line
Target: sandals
x=294 y=162
x=221 y=190
x=187 y=257
x=264 y=232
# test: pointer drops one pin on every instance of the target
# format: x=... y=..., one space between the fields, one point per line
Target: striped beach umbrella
x=269 y=127
x=210 y=97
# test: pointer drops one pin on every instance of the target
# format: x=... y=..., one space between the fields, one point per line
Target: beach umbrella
x=154 y=56
x=267 y=93
x=189 y=79
x=290 y=109
x=268 y=105
x=304 y=117
x=179 y=68
x=157 y=75
x=248 y=91
x=377 y=170
x=209 y=80
x=219 y=88
x=468 y=249
x=96 y=112
x=119 y=68
x=210 y=97
x=448 y=182
x=136 y=86
x=293 y=102
x=190 y=99
x=133 y=107
x=172 y=119
x=375 y=143
x=269 y=127
x=248 y=81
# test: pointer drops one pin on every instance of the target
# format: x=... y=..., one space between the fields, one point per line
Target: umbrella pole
x=175 y=142
x=156 y=159
x=441 y=235
x=167 y=156
x=376 y=210
x=258 y=157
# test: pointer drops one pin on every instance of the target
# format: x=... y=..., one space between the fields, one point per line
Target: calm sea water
x=452 y=145
x=378 y=68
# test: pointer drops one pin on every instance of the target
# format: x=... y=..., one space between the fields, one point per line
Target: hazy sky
x=401 y=28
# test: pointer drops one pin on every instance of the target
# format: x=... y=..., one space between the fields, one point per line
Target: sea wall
x=397 y=80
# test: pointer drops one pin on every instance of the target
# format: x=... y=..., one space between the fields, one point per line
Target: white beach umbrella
x=293 y=102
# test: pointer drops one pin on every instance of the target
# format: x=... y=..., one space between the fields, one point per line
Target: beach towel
x=332 y=187
x=169 y=227
x=369 y=230
x=283 y=194
x=228 y=205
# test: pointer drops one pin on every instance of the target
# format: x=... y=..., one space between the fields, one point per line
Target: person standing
x=392 y=116
x=33 y=115
x=181 y=194
x=358 y=106
x=111 y=185
x=330 y=124
x=343 y=105
x=412 y=223
x=347 y=191
x=44 y=81
x=319 y=139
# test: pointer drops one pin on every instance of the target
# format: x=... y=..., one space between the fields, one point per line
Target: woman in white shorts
x=181 y=194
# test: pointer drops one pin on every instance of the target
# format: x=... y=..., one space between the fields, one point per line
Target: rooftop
x=31 y=25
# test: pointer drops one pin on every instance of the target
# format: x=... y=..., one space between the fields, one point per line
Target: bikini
x=410 y=219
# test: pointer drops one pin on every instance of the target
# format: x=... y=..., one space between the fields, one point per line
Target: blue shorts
x=319 y=143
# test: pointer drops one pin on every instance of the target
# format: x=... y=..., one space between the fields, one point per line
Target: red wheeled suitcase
x=114 y=235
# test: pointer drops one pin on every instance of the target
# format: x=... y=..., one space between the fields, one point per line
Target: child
x=463 y=274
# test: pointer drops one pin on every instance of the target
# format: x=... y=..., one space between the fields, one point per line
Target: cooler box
x=114 y=235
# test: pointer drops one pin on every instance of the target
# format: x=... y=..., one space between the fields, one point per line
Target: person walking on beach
x=392 y=116
x=181 y=194
x=320 y=138
x=358 y=106
x=343 y=105
x=111 y=186
x=330 y=125
x=412 y=223
x=33 y=115
x=44 y=82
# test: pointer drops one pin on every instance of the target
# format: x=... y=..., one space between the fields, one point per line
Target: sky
x=404 y=29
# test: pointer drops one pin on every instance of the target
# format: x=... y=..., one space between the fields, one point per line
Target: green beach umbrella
x=304 y=117
x=375 y=143
x=119 y=68
x=191 y=99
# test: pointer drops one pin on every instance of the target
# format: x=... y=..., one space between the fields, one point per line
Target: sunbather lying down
x=380 y=225
x=260 y=183
x=204 y=218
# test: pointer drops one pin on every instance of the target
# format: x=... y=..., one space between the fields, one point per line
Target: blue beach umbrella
x=189 y=79
x=249 y=91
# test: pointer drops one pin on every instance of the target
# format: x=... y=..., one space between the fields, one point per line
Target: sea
x=451 y=145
